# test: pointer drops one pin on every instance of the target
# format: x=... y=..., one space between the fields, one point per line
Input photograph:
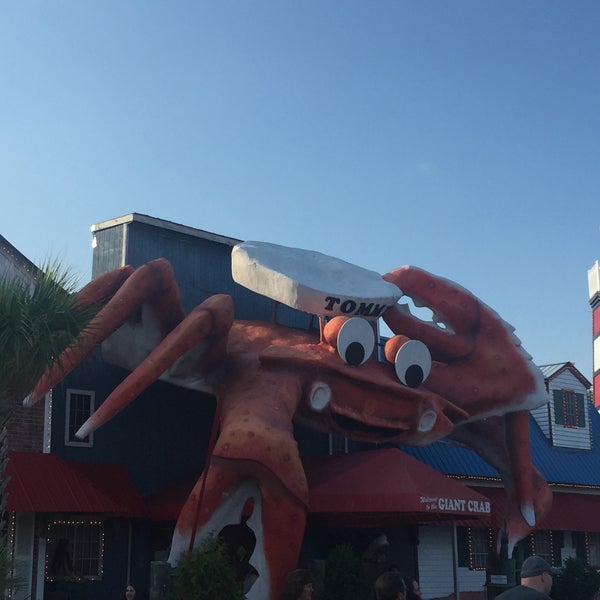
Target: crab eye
x=412 y=363
x=355 y=341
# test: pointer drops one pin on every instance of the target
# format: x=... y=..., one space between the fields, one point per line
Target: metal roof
x=39 y=482
x=551 y=371
x=559 y=466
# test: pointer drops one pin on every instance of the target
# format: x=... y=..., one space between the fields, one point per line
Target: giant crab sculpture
x=465 y=375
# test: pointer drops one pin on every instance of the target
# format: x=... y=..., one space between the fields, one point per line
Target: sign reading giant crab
x=465 y=375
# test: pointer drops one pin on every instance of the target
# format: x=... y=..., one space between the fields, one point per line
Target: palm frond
x=38 y=321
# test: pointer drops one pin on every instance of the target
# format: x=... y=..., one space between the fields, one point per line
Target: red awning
x=366 y=488
x=390 y=482
x=45 y=483
x=570 y=511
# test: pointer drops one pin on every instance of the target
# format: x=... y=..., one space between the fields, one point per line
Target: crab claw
x=514 y=526
x=480 y=363
x=503 y=442
x=480 y=366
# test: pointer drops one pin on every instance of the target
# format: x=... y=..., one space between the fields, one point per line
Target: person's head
x=390 y=586
x=129 y=592
x=413 y=588
x=537 y=573
x=298 y=585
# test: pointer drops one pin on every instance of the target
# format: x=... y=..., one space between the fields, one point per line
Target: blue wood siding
x=202 y=268
x=108 y=253
x=161 y=437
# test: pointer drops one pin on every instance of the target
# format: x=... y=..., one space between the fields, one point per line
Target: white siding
x=24 y=553
x=569 y=437
x=436 y=576
x=542 y=418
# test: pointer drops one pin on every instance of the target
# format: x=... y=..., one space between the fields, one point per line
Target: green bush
x=577 y=580
x=344 y=576
x=207 y=574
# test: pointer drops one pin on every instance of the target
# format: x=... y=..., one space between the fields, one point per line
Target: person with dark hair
x=61 y=567
x=129 y=593
x=299 y=585
x=413 y=589
x=390 y=586
x=65 y=578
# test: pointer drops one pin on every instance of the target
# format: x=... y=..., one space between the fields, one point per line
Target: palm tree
x=39 y=318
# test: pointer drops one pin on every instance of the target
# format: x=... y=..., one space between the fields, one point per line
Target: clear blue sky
x=462 y=137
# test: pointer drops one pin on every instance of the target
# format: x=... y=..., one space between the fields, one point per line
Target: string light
x=536 y=538
x=54 y=533
x=587 y=547
x=473 y=552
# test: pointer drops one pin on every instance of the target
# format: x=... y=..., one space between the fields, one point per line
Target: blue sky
x=462 y=137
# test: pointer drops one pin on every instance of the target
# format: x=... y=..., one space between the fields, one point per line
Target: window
x=473 y=548
x=541 y=544
x=479 y=549
x=80 y=406
x=593 y=548
x=84 y=540
x=569 y=408
x=338 y=444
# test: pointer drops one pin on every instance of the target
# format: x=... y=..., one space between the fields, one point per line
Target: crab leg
x=278 y=520
x=529 y=498
x=211 y=319
x=126 y=291
x=519 y=451
x=482 y=367
x=256 y=444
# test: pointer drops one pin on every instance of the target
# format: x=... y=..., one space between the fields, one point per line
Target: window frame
x=478 y=540
x=569 y=401
x=80 y=541
x=70 y=427
x=338 y=444
x=592 y=543
x=570 y=408
x=542 y=544
x=471 y=542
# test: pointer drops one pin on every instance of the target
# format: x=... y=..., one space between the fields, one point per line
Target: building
x=140 y=466
x=564 y=447
x=45 y=495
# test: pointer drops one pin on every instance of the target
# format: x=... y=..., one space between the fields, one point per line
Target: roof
x=17 y=260
x=555 y=369
x=163 y=224
x=559 y=466
x=42 y=483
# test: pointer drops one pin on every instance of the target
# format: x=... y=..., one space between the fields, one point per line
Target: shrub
x=577 y=580
x=344 y=576
x=207 y=574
